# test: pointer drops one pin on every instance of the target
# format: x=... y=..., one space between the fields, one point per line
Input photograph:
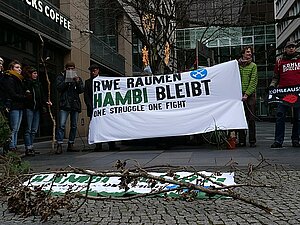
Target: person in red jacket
x=286 y=74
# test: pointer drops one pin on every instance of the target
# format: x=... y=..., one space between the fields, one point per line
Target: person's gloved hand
x=271 y=88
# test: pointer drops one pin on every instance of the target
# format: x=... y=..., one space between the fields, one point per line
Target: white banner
x=109 y=186
x=188 y=103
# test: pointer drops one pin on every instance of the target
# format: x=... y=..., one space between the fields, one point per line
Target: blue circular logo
x=199 y=74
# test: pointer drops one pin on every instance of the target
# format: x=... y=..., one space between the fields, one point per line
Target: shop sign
x=50 y=12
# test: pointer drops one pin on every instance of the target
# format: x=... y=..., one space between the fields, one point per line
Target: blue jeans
x=15 y=119
x=33 y=121
x=63 y=116
x=280 y=123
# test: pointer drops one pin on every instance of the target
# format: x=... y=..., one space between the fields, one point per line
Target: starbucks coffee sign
x=50 y=12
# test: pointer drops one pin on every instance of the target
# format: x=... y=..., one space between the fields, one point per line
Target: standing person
x=70 y=86
x=286 y=74
x=15 y=98
x=249 y=79
x=88 y=99
x=33 y=108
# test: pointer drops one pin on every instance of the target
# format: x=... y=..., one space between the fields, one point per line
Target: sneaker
x=276 y=145
x=295 y=144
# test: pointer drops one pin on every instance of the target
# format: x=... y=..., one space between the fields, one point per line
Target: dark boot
x=58 y=149
x=70 y=147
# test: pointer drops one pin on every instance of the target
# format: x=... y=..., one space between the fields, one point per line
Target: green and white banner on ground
x=109 y=186
x=186 y=103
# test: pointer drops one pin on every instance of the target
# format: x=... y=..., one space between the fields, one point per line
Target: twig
x=49 y=91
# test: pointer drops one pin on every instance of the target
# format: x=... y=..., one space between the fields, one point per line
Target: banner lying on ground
x=109 y=186
x=288 y=96
x=168 y=105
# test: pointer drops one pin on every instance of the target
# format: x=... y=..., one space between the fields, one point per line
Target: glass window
x=270 y=29
x=224 y=42
x=260 y=54
x=270 y=39
x=225 y=54
x=235 y=52
x=247 y=31
x=179 y=44
x=235 y=41
x=259 y=39
x=213 y=43
x=247 y=40
x=259 y=30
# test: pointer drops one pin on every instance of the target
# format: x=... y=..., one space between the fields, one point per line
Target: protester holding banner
x=286 y=74
x=69 y=85
x=249 y=78
x=88 y=99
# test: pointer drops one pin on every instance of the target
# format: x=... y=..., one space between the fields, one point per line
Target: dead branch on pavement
x=34 y=200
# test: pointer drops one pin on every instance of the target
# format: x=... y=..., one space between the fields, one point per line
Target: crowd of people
x=22 y=98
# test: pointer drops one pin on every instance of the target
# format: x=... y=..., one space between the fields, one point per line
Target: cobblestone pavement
x=284 y=200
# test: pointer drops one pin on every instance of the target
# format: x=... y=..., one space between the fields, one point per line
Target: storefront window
x=259 y=30
x=247 y=40
x=259 y=39
x=247 y=31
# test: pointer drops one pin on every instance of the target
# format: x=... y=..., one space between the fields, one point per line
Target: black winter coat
x=69 y=93
x=14 y=91
x=37 y=101
x=88 y=96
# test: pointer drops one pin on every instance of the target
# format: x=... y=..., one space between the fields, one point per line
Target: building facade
x=224 y=27
x=226 y=45
x=287 y=30
x=60 y=31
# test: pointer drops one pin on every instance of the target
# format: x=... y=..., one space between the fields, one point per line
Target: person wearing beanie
x=70 y=86
x=88 y=99
x=33 y=107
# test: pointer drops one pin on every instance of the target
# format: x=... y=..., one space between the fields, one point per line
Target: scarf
x=14 y=73
x=244 y=62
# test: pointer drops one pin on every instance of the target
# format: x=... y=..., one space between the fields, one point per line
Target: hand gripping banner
x=287 y=96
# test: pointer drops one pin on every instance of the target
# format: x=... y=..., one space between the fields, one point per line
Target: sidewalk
x=201 y=157
x=283 y=200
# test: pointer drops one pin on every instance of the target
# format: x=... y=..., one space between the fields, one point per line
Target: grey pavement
x=283 y=172
x=202 y=156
